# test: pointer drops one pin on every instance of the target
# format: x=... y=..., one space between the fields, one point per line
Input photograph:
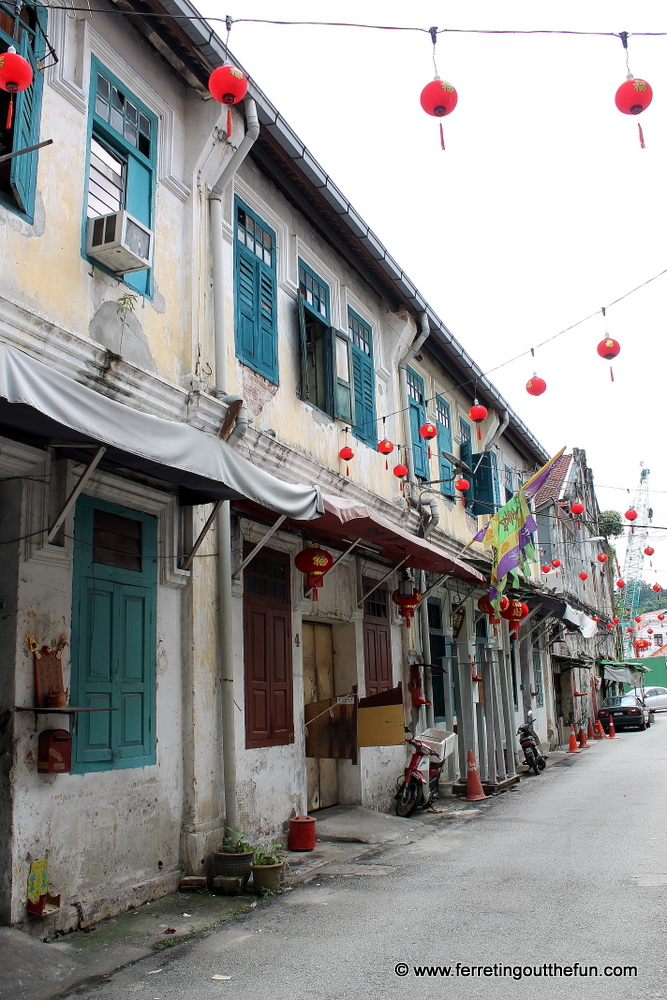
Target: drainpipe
x=405 y=397
x=405 y=406
x=224 y=562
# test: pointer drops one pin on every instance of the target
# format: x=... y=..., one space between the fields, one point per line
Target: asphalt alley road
x=571 y=867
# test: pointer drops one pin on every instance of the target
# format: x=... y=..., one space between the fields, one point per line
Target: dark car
x=628 y=711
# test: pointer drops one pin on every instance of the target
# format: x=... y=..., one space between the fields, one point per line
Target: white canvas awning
x=42 y=404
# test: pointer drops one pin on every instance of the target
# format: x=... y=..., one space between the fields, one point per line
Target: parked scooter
x=531 y=746
x=418 y=787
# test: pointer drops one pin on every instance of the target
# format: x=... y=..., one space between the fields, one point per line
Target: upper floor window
x=18 y=175
x=256 y=328
x=417 y=403
x=325 y=353
x=363 y=377
x=121 y=163
x=444 y=424
x=508 y=483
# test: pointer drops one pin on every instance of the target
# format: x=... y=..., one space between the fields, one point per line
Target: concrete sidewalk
x=38 y=970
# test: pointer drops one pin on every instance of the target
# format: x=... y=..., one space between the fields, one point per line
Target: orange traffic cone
x=474 y=790
x=599 y=731
x=611 y=735
x=582 y=739
x=590 y=735
x=573 y=748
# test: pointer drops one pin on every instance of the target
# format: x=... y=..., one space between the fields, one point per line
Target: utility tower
x=634 y=559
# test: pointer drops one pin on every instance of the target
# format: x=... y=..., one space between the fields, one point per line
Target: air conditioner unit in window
x=119 y=242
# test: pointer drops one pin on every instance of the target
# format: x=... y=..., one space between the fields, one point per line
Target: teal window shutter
x=486 y=485
x=417 y=419
x=444 y=424
x=122 y=124
x=363 y=372
x=113 y=637
x=256 y=329
x=466 y=456
x=27 y=110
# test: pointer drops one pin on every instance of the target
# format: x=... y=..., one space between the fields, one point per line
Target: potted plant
x=267 y=867
x=235 y=858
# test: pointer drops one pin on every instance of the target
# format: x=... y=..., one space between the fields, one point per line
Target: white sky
x=542 y=209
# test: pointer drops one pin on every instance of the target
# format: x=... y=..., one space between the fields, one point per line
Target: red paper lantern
x=577 y=508
x=633 y=96
x=638 y=618
x=462 y=485
x=641 y=643
x=484 y=604
x=631 y=515
x=407 y=604
x=477 y=414
x=657 y=588
x=629 y=629
x=620 y=584
x=661 y=618
x=649 y=550
x=555 y=563
x=610 y=624
x=535 y=386
x=314 y=562
x=546 y=568
x=514 y=613
x=583 y=576
x=602 y=557
x=428 y=431
x=346 y=453
x=608 y=348
x=15 y=71
x=385 y=447
x=596 y=618
x=400 y=470
x=650 y=631
x=227 y=85
x=438 y=98
x=616 y=620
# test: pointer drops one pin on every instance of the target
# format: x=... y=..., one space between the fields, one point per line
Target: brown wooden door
x=377 y=641
x=318 y=683
x=268 y=651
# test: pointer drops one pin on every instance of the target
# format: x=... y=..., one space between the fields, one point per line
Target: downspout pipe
x=405 y=397
x=499 y=431
x=224 y=561
x=424 y=331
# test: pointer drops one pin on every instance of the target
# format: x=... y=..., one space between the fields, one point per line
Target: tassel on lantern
x=229 y=123
x=10 y=113
x=641 y=136
x=442 y=136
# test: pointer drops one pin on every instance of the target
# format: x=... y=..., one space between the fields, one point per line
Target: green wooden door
x=113 y=636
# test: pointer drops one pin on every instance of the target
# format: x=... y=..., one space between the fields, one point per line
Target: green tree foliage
x=611 y=523
x=649 y=600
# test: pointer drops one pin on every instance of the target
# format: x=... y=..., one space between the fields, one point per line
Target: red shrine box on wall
x=54 y=751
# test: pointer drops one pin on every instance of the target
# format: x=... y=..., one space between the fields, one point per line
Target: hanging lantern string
x=623 y=35
x=434 y=38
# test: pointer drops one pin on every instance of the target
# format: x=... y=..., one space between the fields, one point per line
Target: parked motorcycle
x=418 y=787
x=531 y=746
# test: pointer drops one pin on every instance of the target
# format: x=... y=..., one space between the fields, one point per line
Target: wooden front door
x=377 y=641
x=318 y=684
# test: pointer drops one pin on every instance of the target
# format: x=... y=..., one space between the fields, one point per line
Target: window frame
x=417 y=417
x=262 y=355
x=363 y=363
x=336 y=397
x=22 y=176
x=142 y=281
x=114 y=581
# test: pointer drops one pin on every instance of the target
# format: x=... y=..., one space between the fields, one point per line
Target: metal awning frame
x=383 y=580
x=260 y=545
x=78 y=489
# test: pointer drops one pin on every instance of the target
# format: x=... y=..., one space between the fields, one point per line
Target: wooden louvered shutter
x=364 y=397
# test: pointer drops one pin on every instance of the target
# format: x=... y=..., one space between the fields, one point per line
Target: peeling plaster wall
x=102 y=833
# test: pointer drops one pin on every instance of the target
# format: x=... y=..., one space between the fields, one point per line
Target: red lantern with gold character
x=438 y=98
x=535 y=386
x=385 y=447
x=555 y=563
x=657 y=588
x=602 y=557
x=314 y=562
x=641 y=643
x=633 y=96
x=514 y=613
x=486 y=607
x=407 y=604
x=649 y=550
x=661 y=618
x=427 y=432
x=608 y=348
x=462 y=485
x=228 y=85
